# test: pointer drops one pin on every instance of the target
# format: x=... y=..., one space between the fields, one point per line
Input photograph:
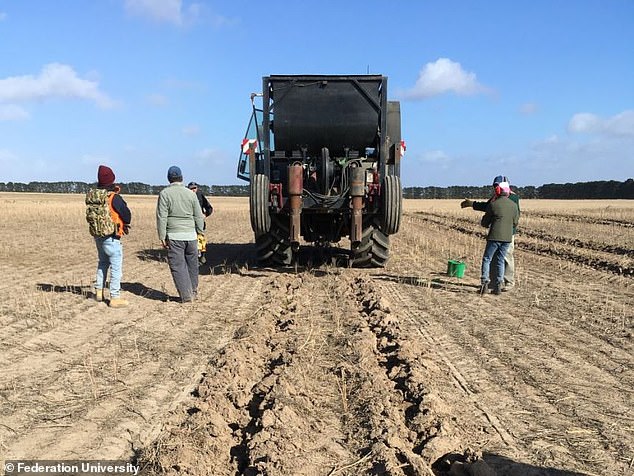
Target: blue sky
x=540 y=91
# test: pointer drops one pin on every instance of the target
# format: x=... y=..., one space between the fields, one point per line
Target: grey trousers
x=183 y=260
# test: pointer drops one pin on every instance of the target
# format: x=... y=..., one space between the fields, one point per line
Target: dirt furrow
x=567 y=250
x=92 y=384
x=305 y=388
x=584 y=219
x=250 y=414
x=547 y=237
x=530 y=378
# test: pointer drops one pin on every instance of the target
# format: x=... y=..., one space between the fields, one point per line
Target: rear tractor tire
x=273 y=247
x=259 y=204
x=391 y=204
x=373 y=250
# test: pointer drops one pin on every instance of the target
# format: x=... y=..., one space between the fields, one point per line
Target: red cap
x=105 y=176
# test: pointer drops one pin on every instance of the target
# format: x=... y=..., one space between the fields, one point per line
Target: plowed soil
x=319 y=369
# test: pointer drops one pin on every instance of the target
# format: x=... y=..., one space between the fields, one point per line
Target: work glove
x=466 y=203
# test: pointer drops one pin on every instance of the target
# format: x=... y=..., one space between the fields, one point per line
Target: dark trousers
x=183 y=260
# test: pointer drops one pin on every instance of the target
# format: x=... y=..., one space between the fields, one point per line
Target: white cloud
x=444 y=76
x=11 y=112
x=55 y=80
x=567 y=159
x=584 y=122
x=621 y=124
x=164 y=11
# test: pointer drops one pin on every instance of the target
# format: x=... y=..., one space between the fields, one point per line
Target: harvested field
x=317 y=369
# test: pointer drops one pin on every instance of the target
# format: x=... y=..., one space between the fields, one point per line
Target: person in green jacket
x=509 y=258
x=179 y=219
x=501 y=218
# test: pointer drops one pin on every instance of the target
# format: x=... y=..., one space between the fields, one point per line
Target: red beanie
x=105 y=176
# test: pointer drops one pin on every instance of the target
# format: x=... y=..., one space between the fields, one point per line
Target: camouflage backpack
x=98 y=216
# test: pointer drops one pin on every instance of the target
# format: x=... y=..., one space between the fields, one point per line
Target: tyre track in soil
x=320 y=381
x=92 y=385
x=583 y=219
x=16 y=295
x=594 y=300
x=555 y=394
x=544 y=244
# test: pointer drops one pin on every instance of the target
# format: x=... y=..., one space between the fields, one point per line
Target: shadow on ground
x=143 y=291
x=491 y=464
x=138 y=289
x=236 y=257
x=238 y=254
x=153 y=254
x=218 y=254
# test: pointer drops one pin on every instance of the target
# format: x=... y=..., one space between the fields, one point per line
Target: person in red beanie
x=108 y=218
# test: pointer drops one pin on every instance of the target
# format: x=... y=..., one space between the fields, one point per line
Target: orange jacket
x=118 y=222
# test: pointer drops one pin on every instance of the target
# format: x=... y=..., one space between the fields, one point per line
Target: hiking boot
x=99 y=295
x=118 y=302
x=497 y=290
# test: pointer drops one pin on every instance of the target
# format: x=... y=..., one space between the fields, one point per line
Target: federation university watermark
x=70 y=468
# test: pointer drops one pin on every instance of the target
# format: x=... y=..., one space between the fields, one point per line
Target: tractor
x=322 y=155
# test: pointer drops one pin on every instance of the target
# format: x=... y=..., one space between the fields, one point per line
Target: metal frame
x=356 y=80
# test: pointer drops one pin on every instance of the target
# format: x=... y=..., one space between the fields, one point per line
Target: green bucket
x=455 y=268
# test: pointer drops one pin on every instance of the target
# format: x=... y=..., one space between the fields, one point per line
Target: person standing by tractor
x=207 y=210
x=178 y=221
x=205 y=206
x=509 y=257
x=108 y=218
x=501 y=218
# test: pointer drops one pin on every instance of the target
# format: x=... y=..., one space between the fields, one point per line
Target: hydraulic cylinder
x=295 y=190
x=357 y=192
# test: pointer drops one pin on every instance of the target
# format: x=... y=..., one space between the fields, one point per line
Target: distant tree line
x=609 y=189
x=570 y=191
x=581 y=190
x=463 y=191
x=131 y=188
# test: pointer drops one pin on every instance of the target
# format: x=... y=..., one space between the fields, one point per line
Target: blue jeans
x=110 y=254
x=494 y=251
